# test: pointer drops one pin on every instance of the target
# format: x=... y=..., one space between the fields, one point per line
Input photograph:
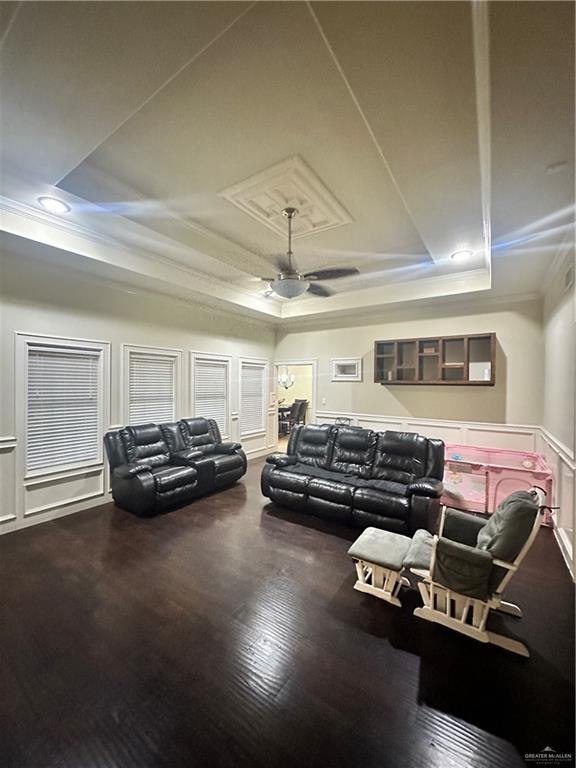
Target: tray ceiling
x=402 y=132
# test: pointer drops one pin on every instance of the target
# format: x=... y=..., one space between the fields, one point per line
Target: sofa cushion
x=226 y=462
x=331 y=510
x=197 y=433
x=314 y=446
x=145 y=444
x=397 y=489
x=400 y=457
x=330 y=490
x=353 y=451
x=380 y=502
x=363 y=519
x=173 y=437
x=327 y=474
x=288 y=480
x=168 y=478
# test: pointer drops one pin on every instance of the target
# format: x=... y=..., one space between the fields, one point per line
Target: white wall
x=516 y=397
x=43 y=299
x=558 y=420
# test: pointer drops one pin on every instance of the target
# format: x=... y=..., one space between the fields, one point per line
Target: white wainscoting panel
x=7 y=480
x=48 y=493
x=510 y=436
x=272 y=428
x=560 y=459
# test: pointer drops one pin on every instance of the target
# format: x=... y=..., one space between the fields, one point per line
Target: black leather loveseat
x=390 y=480
x=156 y=467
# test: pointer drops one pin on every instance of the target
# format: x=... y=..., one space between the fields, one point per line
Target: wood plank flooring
x=227 y=633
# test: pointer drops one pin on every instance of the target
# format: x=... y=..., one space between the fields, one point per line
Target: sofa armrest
x=461 y=526
x=426 y=486
x=281 y=459
x=126 y=471
x=461 y=568
x=186 y=458
x=227 y=447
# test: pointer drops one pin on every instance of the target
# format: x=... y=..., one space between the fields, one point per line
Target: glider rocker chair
x=471 y=564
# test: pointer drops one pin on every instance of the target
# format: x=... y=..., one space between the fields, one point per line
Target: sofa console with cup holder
x=156 y=467
x=389 y=480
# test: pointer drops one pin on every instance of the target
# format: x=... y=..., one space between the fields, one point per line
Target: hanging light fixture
x=292 y=283
x=286 y=379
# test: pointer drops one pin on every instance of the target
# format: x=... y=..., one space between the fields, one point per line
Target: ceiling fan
x=290 y=283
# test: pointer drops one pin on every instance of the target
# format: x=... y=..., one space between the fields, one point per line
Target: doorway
x=295 y=396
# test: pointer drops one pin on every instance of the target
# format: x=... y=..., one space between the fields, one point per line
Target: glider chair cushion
x=472 y=562
x=346 y=473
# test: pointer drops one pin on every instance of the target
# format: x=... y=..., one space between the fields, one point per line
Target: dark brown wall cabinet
x=453 y=360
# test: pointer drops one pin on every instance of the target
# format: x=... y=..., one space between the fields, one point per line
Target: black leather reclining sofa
x=156 y=467
x=390 y=480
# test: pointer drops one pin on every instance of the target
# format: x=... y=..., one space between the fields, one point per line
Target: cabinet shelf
x=439 y=360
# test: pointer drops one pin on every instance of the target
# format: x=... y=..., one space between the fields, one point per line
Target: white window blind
x=151 y=388
x=63 y=411
x=211 y=391
x=252 y=397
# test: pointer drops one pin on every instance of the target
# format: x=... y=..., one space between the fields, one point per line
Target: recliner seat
x=389 y=480
x=159 y=467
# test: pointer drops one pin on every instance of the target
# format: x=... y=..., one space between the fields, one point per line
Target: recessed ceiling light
x=461 y=255
x=53 y=205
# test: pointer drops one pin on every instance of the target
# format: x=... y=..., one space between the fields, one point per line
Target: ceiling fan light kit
x=289 y=287
x=289 y=284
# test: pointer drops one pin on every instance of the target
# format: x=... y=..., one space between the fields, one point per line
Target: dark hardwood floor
x=227 y=633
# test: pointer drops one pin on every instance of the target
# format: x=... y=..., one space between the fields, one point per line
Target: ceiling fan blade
x=332 y=274
x=267 y=279
x=319 y=290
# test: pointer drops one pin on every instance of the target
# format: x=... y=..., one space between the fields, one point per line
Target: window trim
x=263 y=363
x=209 y=357
x=336 y=361
x=24 y=341
x=125 y=351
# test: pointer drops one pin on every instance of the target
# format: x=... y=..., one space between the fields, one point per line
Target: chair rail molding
x=519 y=437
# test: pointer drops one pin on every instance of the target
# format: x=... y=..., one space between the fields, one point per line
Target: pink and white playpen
x=478 y=479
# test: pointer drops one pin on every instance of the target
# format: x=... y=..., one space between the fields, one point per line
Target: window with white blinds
x=151 y=387
x=211 y=391
x=63 y=407
x=252 y=397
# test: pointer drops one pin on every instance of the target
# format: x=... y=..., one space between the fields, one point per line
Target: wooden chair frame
x=469 y=615
x=380 y=581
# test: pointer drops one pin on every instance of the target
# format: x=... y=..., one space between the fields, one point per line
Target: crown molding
x=30 y=223
x=366 y=317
